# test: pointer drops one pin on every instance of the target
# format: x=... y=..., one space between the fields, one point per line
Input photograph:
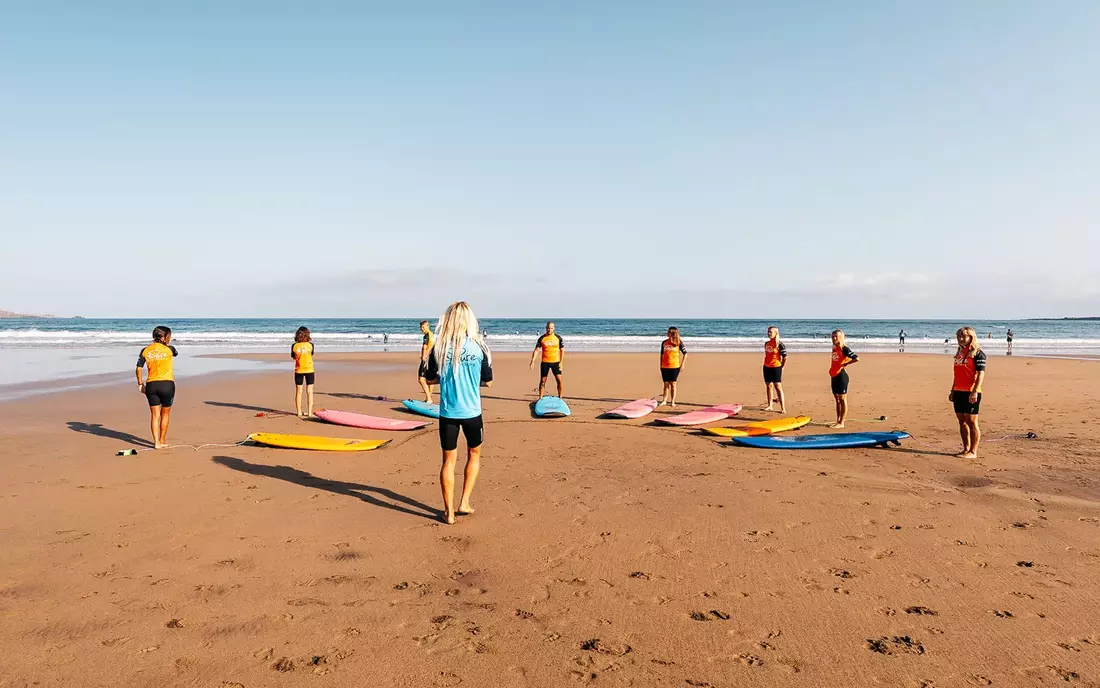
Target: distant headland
x=9 y=314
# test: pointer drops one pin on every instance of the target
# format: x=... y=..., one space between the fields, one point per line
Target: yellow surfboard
x=340 y=444
x=766 y=427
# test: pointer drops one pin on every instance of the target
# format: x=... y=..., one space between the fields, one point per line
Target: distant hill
x=9 y=314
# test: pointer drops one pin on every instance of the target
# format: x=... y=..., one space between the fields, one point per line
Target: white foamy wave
x=375 y=341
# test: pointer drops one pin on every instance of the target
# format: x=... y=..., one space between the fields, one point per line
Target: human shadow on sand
x=98 y=430
x=366 y=493
x=244 y=407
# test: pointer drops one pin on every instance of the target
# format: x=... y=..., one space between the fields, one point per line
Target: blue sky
x=725 y=159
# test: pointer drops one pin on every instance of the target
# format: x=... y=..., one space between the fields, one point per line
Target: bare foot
x=968 y=455
x=428 y=400
x=766 y=408
x=663 y=403
x=160 y=446
x=449 y=519
x=837 y=426
x=465 y=510
x=782 y=410
x=674 y=404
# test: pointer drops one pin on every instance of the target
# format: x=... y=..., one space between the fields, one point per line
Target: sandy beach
x=603 y=552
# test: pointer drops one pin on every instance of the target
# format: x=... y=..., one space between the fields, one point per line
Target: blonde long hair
x=975 y=345
x=777 y=339
x=674 y=336
x=841 y=340
x=456 y=324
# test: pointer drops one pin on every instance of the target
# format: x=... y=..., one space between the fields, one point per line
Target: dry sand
x=604 y=552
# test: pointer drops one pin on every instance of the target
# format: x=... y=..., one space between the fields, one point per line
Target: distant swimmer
x=553 y=355
x=425 y=350
x=901 y=338
x=842 y=357
x=966 y=390
x=159 y=387
x=460 y=363
x=775 y=357
x=673 y=356
x=1010 y=336
x=304 y=376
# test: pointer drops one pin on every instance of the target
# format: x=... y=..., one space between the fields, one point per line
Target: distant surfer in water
x=966 y=390
x=304 y=375
x=553 y=355
x=460 y=362
x=775 y=357
x=673 y=355
x=425 y=351
x=159 y=387
x=841 y=358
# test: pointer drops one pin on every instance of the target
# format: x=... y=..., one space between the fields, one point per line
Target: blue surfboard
x=551 y=407
x=835 y=441
x=429 y=410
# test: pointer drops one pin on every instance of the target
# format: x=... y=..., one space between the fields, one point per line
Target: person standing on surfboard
x=673 y=355
x=425 y=351
x=159 y=387
x=775 y=357
x=966 y=390
x=304 y=375
x=842 y=357
x=460 y=362
x=553 y=355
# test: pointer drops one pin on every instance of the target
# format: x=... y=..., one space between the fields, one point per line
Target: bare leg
x=779 y=395
x=672 y=391
x=165 y=416
x=557 y=379
x=975 y=437
x=542 y=387
x=664 y=394
x=298 y=394
x=154 y=425
x=768 y=396
x=469 y=478
x=426 y=388
x=447 y=484
x=964 y=433
x=841 y=409
x=309 y=393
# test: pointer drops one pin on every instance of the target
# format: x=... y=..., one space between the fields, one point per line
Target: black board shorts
x=160 y=393
x=422 y=371
x=840 y=382
x=773 y=375
x=304 y=378
x=472 y=428
x=961 y=402
x=547 y=368
x=670 y=374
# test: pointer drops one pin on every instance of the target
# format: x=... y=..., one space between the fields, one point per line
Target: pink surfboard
x=635 y=409
x=710 y=414
x=359 y=420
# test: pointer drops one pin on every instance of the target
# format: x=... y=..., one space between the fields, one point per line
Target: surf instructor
x=460 y=363
x=553 y=355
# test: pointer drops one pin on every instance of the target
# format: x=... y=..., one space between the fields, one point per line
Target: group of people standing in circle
x=456 y=358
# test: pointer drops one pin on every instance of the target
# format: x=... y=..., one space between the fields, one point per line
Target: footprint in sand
x=923 y=611
x=606 y=647
x=894 y=645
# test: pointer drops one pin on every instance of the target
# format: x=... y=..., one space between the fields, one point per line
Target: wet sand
x=603 y=551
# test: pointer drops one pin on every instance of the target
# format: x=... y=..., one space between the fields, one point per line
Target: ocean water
x=1057 y=337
